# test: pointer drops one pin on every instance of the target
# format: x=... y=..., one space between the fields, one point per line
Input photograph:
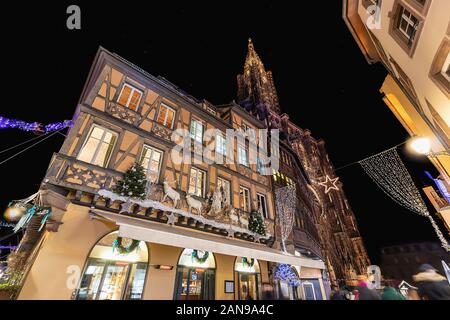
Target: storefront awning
x=149 y=231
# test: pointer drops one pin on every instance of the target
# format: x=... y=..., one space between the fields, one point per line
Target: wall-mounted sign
x=229 y=286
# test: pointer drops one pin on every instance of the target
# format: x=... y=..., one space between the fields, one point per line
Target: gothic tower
x=256 y=84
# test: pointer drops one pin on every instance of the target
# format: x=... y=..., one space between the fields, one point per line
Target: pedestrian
x=431 y=285
x=364 y=293
x=390 y=293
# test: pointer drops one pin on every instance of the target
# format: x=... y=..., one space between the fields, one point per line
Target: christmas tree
x=133 y=184
x=256 y=223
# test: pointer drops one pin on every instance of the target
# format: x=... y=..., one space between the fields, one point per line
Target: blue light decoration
x=441 y=186
x=36 y=127
x=284 y=272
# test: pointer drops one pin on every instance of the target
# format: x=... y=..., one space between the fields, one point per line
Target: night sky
x=323 y=82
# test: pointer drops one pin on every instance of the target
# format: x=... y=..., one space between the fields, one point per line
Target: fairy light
x=286 y=203
x=6 y=123
x=387 y=170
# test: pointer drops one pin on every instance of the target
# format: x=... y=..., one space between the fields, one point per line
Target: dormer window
x=130 y=97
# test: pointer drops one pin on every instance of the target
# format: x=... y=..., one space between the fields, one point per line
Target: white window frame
x=445 y=68
x=94 y=156
x=153 y=150
x=245 y=154
x=133 y=89
x=409 y=22
x=164 y=123
x=194 y=135
x=227 y=182
x=202 y=193
x=247 y=206
x=265 y=212
x=221 y=146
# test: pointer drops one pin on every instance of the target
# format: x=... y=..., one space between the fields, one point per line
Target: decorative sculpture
x=171 y=193
x=194 y=204
x=216 y=205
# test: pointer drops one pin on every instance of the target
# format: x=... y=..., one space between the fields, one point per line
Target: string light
x=284 y=272
x=6 y=123
x=286 y=203
x=387 y=170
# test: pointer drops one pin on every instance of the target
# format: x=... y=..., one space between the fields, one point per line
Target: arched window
x=195 y=276
x=247 y=279
x=114 y=274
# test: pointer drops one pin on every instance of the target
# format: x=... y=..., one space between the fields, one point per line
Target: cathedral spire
x=256 y=85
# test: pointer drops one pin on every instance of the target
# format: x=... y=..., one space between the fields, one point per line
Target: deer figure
x=171 y=193
x=194 y=204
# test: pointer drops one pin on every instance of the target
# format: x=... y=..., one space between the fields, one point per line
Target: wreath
x=125 y=248
x=199 y=259
x=246 y=262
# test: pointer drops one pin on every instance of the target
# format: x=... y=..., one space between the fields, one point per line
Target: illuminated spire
x=256 y=83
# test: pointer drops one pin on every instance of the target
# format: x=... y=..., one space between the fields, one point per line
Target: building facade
x=411 y=38
x=189 y=239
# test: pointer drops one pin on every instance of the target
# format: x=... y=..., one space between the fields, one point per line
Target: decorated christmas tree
x=133 y=184
x=256 y=223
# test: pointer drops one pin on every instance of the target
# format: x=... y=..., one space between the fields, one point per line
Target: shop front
x=109 y=275
x=195 y=277
x=247 y=279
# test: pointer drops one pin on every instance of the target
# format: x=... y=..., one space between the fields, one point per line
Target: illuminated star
x=171 y=218
x=329 y=184
x=125 y=207
x=257 y=238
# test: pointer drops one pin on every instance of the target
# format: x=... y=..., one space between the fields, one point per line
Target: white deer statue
x=171 y=193
x=194 y=204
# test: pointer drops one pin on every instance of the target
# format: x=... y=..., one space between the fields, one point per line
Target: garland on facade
x=256 y=223
x=148 y=203
x=198 y=258
x=249 y=263
x=36 y=127
x=388 y=171
x=119 y=246
x=284 y=272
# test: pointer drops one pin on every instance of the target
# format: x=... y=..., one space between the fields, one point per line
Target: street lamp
x=422 y=145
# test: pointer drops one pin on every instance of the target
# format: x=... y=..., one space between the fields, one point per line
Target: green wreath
x=248 y=263
x=121 y=249
x=197 y=258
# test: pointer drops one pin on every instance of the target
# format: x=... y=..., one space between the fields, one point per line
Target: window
x=244 y=199
x=166 y=116
x=407 y=24
x=221 y=144
x=226 y=187
x=151 y=161
x=405 y=81
x=405 y=27
x=98 y=146
x=440 y=69
x=439 y=123
x=197 y=182
x=260 y=166
x=243 y=155
x=262 y=205
x=197 y=130
x=130 y=97
x=112 y=276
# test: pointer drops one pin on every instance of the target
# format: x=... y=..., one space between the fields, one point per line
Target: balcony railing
x=123 y=113
x=71 y=173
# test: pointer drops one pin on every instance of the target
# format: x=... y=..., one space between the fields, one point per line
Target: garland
x=200 y=259
x=284 y=272
x=121 y=249
x=36 y=127
x=250 y=263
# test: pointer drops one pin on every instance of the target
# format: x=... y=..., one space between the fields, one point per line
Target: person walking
x=431 y=285
x=390 y=293
x=365 y=293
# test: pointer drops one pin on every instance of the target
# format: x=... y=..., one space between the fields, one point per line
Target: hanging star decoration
x=230 y=231
x=125 y=207
x=330 y=184
x=171 y=218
